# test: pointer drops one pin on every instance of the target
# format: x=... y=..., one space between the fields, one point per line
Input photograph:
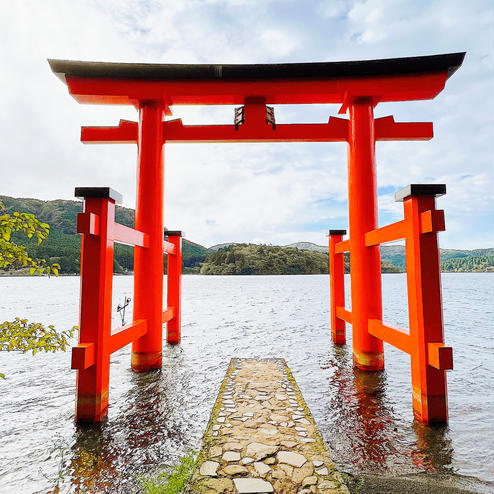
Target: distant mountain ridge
x=221 y=246
x=452 y=260
x=63 y=246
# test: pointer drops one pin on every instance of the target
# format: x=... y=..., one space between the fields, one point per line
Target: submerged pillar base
x=432 y=409
x=91 y=408
x=368 y=361
x=144 y=362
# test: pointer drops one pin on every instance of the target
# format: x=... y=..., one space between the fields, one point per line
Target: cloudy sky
x=271 y=193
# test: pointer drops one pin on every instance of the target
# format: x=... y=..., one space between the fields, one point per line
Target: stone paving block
x=209 y=468
x=252 y=486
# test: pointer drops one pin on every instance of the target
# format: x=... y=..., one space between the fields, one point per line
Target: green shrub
x=172 y=481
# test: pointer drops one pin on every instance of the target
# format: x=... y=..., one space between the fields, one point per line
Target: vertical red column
x=337 y=286
x=174 y=280
x=96 y=224
x=365 y=264
x=424 y=301
x=148 y=262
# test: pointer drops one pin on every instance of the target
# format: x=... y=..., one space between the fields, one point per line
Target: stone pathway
x=262 y=438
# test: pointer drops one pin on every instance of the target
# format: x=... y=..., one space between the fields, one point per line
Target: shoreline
x=61 y=275
x=417 y=483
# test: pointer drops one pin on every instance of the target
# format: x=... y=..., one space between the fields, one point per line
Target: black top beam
x=449 y=63
x=435 y=190
x=99 y=192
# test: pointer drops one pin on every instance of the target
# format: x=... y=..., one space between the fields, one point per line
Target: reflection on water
x=366 y=430
x=93 y=460
x=434 y=450
x=365 y=418
x=112 y=456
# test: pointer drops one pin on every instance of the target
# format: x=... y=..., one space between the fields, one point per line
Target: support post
x=148 y=262
x=337 y=286
x=365 y=264
x=424 y=301
x=174 y=288
x=96 y=299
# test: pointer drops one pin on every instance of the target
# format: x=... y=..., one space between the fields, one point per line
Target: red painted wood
x=125 y=235
x=344 y=314
x=83 y=356
x=168 y=314
x=337 y=289
x=258 y=131
x=440 y=356
x=148 y=262
x=341 y=247
x=386 y=129
x=390 y=334
x=227 y=92
x=388 y=233
x=425 y=313
x=174 y=280
x=95 y=312
x=88 y=223
x=127 y=334
x=168 y=247
x=365 y=264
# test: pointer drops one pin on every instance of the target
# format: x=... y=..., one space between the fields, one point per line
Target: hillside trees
x=264 y=259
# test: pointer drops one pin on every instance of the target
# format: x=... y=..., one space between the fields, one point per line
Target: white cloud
x=278 y=193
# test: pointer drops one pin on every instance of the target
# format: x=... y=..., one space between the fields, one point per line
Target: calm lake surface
x=366 y=419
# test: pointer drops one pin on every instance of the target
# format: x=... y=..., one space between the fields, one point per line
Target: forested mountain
x=63 y=244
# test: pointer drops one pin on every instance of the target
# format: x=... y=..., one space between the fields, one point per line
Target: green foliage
x=387 y=267
x=269 y=259
x=16 y=256
x=264 y=259
x=21 y=335
x=24 y=336
x=471 y=263
x=172 y=481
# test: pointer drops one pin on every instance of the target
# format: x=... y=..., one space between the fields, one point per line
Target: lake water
x=366 y=419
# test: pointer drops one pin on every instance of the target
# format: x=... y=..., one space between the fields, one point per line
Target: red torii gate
x=153 y=88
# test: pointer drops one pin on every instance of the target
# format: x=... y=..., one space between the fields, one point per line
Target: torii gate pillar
x=148 y=262
x=365 y=262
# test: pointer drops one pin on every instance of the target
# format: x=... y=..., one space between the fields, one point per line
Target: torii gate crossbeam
x=153 y=88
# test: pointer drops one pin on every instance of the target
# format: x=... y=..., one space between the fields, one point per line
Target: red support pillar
x=96 y=224
x=174 y=280
x=430 y=358
x=148 y=262
x=365 y=264
x=337 y=286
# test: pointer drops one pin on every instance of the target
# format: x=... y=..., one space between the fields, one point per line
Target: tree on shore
x=21 y=335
